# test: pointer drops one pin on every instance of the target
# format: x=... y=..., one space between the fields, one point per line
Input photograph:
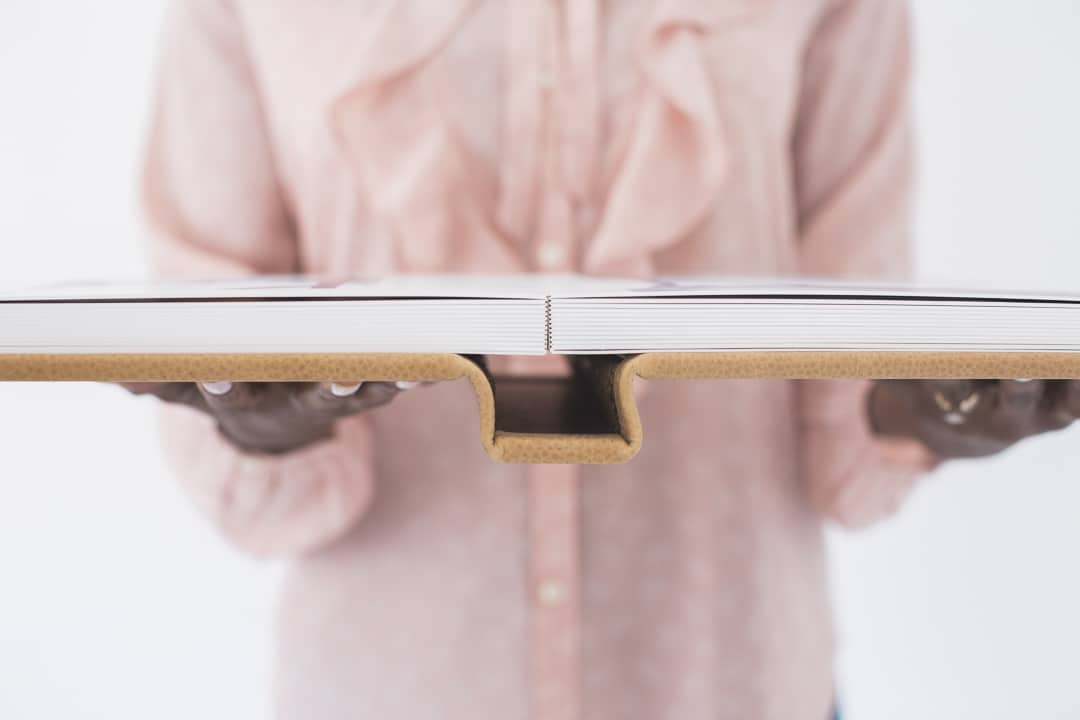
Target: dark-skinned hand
x=952 y=418
x=972 y=418
x=274 y=418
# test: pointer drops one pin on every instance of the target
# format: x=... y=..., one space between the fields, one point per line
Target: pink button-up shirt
x=620 y=137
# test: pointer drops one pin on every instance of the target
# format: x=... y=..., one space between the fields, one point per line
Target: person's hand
x=972 y=418
x=274 y=418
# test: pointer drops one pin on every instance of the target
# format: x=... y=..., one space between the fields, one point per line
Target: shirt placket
x=555 y=573
x=554 y=523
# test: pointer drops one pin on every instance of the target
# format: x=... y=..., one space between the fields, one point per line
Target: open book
x=529 y=315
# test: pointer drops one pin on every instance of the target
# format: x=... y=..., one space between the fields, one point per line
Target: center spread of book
x=530 y=315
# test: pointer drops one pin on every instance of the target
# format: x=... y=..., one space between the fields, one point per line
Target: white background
x=117 y=601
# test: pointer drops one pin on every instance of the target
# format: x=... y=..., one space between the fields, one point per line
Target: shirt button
x=552 y=256
x=551 y=593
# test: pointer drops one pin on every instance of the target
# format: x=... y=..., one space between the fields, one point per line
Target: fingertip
x=324 y=398
x=344 y=390
x=1025 y=389
x=218 y=388
x=1069 y=398
x=222 y=395
x=375 y=394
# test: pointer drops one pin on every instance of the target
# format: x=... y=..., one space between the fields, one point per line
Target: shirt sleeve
x=215 y=207
x=853 y=159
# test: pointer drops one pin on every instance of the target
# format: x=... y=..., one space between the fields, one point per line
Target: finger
x=373 y=394
x=223 y=396
x=947 y=395
x=1019 y=396
x=952 y=402
x=339 y=399
x=1016 y=409
x=343 y=389
x=347 y=389
x=1066 y=406
x=217 y=389
x=1051 y=414
x=1072 y=398
x=973 y=407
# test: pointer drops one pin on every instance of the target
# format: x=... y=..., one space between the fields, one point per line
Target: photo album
x=529 y=315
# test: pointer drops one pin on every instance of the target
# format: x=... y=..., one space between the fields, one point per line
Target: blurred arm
x=854 y=177
x=214 y=207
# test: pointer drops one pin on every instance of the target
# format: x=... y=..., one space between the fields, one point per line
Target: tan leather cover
x=580 y=422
